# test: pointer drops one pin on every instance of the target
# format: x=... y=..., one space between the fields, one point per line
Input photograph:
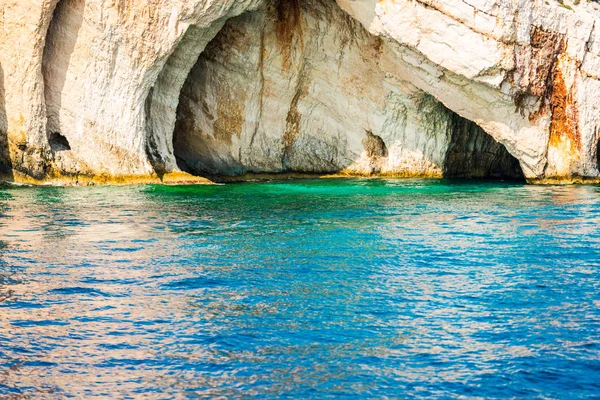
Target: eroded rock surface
x=124 y=90
x=525 y=71
x=297 y=87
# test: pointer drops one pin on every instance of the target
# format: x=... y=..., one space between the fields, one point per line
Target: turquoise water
x=306 y=289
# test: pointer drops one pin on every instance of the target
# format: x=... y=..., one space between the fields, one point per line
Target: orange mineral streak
x=565 y=116
x=546 y=77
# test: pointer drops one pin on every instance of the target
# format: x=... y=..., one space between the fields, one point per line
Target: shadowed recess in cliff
x=211 y=113
x=5 y=162
x=163 y=98
x=61 y=40
x=475 y=154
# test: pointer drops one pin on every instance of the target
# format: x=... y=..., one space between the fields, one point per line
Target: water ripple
x=311 y=289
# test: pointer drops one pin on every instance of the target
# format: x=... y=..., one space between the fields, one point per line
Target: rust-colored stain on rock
x=545 y=48
x=287 y=25
x=565 y=117
x=548 y=82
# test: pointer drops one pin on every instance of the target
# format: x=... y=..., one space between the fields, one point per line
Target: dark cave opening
x=58 y=142
x=474 y=154
x=5 y=161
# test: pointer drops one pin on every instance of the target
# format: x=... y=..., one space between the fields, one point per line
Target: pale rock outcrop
x=91 y=88
x=22 y=110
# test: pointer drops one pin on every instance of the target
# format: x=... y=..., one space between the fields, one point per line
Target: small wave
x=194 y=283
x=7 y=184
x=80 y=291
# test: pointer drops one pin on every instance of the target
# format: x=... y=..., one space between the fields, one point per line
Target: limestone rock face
x=128 y=90
x=526 y=71
x=103 y=74
x=299 y=87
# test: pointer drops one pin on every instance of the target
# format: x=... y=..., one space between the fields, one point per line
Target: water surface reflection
x=306 y=289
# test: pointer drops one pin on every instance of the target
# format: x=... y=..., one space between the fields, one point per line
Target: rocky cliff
x=96 y=91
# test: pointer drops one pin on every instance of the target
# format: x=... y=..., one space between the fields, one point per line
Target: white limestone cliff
x=526 y=71
x=137 y=91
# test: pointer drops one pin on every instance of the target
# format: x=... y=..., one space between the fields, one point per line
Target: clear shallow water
x=309 y=289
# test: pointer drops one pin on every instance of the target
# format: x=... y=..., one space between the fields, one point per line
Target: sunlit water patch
x=306 y=289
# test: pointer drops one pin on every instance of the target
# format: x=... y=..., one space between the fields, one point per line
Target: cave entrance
x=222 y=105
x=58 y=142
x=164 y=96
x=212 y=114
x=474 y=154
x=5 y=161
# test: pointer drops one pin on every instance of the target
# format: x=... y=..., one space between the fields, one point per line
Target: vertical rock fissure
x=293 y=121
x=261 y=69
x=61 y=38
x=152 y=146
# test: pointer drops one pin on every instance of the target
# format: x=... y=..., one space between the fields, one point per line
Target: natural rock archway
x=266 y=98
x=112 y=73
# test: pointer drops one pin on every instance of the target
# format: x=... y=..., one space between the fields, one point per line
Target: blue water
x=306 y=289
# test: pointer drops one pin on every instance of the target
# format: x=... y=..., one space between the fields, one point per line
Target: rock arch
x=266 y=98
x=514 y=72
x=498 y=65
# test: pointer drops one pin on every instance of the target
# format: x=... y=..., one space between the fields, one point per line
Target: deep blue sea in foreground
x=304 y=289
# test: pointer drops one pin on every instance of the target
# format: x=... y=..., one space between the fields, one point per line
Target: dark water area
x=304 y=289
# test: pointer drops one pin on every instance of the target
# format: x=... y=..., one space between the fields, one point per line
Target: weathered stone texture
x=130 y=90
